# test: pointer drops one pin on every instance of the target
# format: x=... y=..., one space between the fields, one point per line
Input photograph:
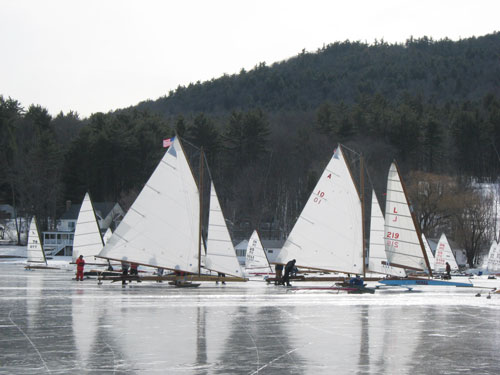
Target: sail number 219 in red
x=391 y=237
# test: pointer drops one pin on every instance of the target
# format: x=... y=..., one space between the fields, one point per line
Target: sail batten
x=161 y=229
x=220 y=256
x=34 y=248
x=328 y=234
x=87 y=239
x=402 y=243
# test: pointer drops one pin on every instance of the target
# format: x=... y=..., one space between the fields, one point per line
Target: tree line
x=269 y=133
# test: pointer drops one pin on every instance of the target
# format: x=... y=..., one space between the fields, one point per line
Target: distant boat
x=493 y=264
x=443 y=255
x=256 y=262
x=36 y=258
x=428 y=251
x=328 y=234
x=87 y=238
x=377 y=259
x=162 y=228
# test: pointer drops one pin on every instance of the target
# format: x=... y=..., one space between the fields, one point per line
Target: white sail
x=493 y=264
x=161 y=229
x=107 y=235
x=402 y=243
x=220 y=256
x=443 y=255
x=328 y=234
x=377 y=260
x=34 y=247
x=428 y=251
x=87 y=240
x=256 y=259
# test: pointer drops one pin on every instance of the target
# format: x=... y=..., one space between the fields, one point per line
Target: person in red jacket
x=80 y=263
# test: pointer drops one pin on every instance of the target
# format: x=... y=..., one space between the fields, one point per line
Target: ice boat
x=443 y=255
x=256 y=262
x=163 y=227
x=36 y=258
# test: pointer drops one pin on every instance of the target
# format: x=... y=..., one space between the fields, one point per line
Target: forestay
x=161 y=229
x=443 y=255
x=377 y=260
x=256 y=259
x=34 y=248
x=87 y=239
x=220 y=256
x=328 y=234
x=402 y=243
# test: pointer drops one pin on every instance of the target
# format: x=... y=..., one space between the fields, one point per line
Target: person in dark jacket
x=125 y=267
x=288 y=268
x=448 y=270
x=80 y=264
x=279 y=273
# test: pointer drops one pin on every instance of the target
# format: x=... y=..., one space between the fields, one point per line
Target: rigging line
x=31 y=342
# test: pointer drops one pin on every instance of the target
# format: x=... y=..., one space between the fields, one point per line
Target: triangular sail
x=443 y=255
x=428 y=251
x=377 y=260
x=402 y=242
x=493 y=264
x=161 y=229
x=256 y=259
x=220 y=256
x=34 y=248
x=328 y=234
x=87 y=240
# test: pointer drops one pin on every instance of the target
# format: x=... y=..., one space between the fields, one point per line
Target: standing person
x=220 y=274
x=134 y=271
x=448 y=270
x=288 y=268
x=279 y=273
x=160 y=274
x=80 y=264
x=125 y=267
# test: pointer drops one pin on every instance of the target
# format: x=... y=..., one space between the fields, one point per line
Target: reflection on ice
x=51 y=324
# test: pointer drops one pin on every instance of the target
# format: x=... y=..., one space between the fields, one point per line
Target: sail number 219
x=391 y=237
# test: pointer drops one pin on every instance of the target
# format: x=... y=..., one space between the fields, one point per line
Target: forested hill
x=440 y=71
x=434 y=106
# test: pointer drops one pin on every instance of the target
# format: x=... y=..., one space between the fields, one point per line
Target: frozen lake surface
x=52 y=324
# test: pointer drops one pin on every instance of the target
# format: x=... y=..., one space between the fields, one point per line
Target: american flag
x=168 y=142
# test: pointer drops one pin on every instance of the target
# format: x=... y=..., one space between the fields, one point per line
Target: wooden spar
x=200 y=188
x=362 y=196
x=417 y=227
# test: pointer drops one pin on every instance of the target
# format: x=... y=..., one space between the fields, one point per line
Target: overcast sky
x=99 y=55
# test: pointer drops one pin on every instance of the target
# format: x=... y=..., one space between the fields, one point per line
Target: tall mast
x=417 y=227
x=200 y=188
x=362 y=196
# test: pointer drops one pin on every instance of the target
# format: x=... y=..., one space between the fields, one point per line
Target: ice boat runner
x=403 y=244
x=328 y=234
x=377 y=259
x=256 y=262
x=162 y=228
x=443 y=255
x=36 y=255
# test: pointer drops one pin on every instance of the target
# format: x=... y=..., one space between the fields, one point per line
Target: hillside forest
x=432 y=106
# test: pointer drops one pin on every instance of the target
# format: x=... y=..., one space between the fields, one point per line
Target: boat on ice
x=328 y=235
x=36 y=258
x=403 y=243
x=256 y=262
x=163 y=227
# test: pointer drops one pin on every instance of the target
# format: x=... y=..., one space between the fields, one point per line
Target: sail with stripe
x=87 y=239
x=443 y=255
x=403 y=244
x=220 y=253
x=377 y=260
x=256 y=261
x=34 y=248
x=161 y=228
x=328 y=234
